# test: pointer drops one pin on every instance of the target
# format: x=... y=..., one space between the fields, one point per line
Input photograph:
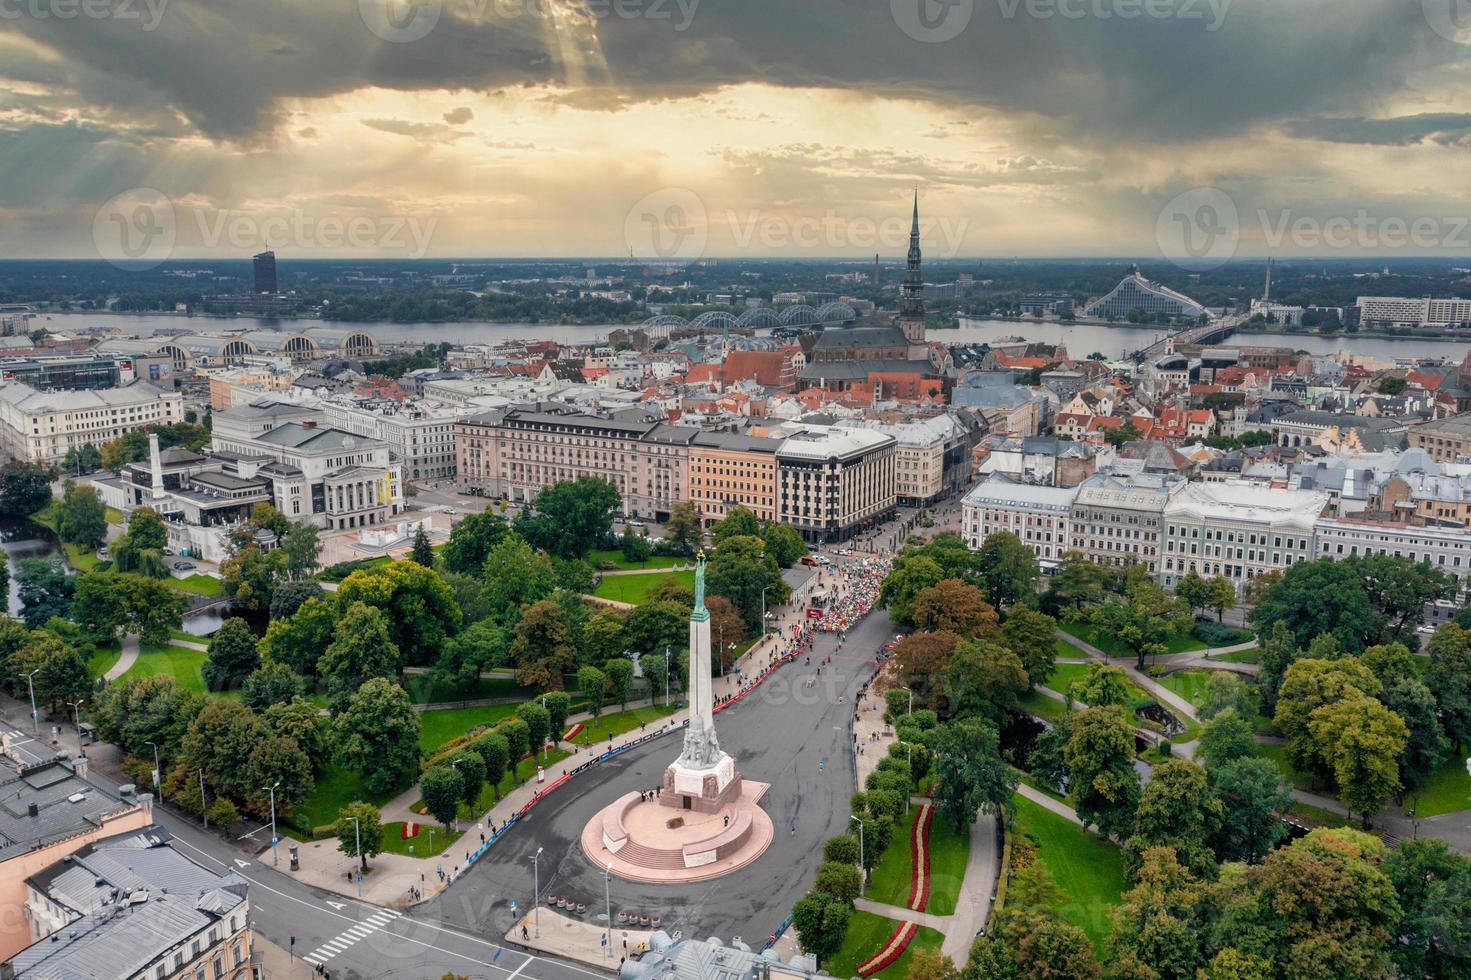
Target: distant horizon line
x=612 y=260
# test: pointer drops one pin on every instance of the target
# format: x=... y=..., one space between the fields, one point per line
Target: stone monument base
x=702 y=790
x=648 y=841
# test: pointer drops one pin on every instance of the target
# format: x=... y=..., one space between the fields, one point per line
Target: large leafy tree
x=1433 y=938
x=921 y=660
x=288 y=597
x=953 y=605
x=651 y=626
x=1309 y=685
x=516 y=575
x=1193 y=590
x=1103 y=685
x=1077 y=585
x=821 y=921
x=442 y=788
x=739 y=522
x=740 y=570
x=61 y=673
x=219 y=741
x=593 y=684
x=543 y=649
x=495 y=754
x=984 y=678
x=251 y=575
x=905 y=582
x=359 y=831
x=1252 y=797
x=1177 y=810
x=970 y=776
x=1448 y=676
x=1102 y=782
x=80 y=516
x=1426 y=745
x=233 y=654
x=420 y=608
x=1008 y=570
x=301 y=545
x=1226 y=738
x=45 y=589
x=278 y=761
x=1144 y=618
x=619 y=672
x=1362 y=741
x=1400 y=588
x=108 y=604
x=1161 y=926
x=1297 y=602
x=24 y=489
x=482 y=646
x=378 y=735
x=299 y=641
x=572 y=517
x=1032 y=636
x=602 y=637
x=1279 y=651
x=137 y=710
x=684 y=532
x=784 y=544
x=363 y=649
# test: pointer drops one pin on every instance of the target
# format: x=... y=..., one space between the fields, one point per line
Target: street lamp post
x=911 y=699
x=666 y=675
x=158 y=773
x=275 y=859
x=536 y=891
x=76 y=706
x=203 y=810
x=608 y=898
x=763 y=609
x=862 y=874
x=357 y=840
x=35 y=724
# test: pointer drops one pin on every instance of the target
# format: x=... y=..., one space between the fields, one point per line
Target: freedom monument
x=704 y=820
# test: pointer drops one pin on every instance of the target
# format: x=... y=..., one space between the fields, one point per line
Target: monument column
x=703 y=778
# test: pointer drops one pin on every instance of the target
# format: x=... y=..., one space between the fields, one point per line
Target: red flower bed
x=919 y=854
x=572 y=733
x=898 y=942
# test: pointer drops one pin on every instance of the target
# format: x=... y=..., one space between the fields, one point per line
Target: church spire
x=911 y=294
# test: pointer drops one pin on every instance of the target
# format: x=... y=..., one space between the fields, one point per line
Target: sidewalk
x=276 y=963
x=578 y=940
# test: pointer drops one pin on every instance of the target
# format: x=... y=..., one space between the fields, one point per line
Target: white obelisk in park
x=703 y=778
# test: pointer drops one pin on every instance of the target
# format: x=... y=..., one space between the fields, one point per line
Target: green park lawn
x=438 y=727
x=80 y=557
x=867 y=934
x=1087 y=868
x=1447 y=790
x=1316 y=816
x=1088 y=633
x=1064 y=676
x=1188 y=684
x=182 y=664
x=198 y=585
x=949 y=852
x=423 y=689
x=614 y=723
x=103 y=660
x=430 y=835
x=336 y=788
x=1277 y=753
x=1066 y=651
x=633 y=589
x=599 y=558
x=1251 y=656
x=1041 y=705
x=889 y=881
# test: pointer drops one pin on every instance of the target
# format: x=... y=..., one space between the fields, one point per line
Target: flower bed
x=898 y=942
x=919 y=853
x=573 y=732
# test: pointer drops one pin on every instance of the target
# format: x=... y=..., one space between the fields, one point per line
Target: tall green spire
x=700 y=613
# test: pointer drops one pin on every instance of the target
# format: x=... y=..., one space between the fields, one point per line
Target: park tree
x=45 y=589
x=559 y=706
x=495 y=754
x=266 y=517
x=61 y=673
x=251 y=575
x=572 y=517
x=1221 y=596
x=471 y=769
x=1361 y=741
x=24 y=489
x=1278 y=652
x=109 y=604
x=1399 y=589
x=543 y=649
x=1296 y=601
x=465 y=657
x=1077 y=585
x=422 y=553
x=1103 y=785
x=842 y=848
x=1448 y=675
x=80 y=516
x=821 y=921
x=1252 y=797
x=970 y=775
x=1222 y=690
x=593 y=684
x=298 y=720
x=301 y=544
x=741 y=571
x=1433 y=937
x=838 y=879
x=1160 y=927
x=684 y=530
x=738 y=522
x=635 y=546
x=269 y=684
x=1226 y=738
x=953 y=605
x=363 y=649
x=619 y=672
x=418 y=606
x=658 y=671
x=1309 y=685
x=516 y=575
x=1177 y=811
x=1144 y=619
x=920 y=660
x=905 y=582
x=299 y=641
x=1193 y=590
x=603 y=637
x=137 y=710
x=233 y=654
x=518 y=736
x=1008 y=570
x=1032 y=636
x=289 y=596
x=1426 y=744
x=280 y=762
x=359 y=830
x=538 y=724
x=985 y=679
x=652 y=626
x=377 y=734
x=726 y=626
x=219 y=741
x=783 y=544
x=471 y=541
x=1103 y=685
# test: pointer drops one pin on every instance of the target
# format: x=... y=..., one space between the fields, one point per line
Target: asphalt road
x=798 y=739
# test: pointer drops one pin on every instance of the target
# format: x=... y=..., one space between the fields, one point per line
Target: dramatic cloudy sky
x=735 y=127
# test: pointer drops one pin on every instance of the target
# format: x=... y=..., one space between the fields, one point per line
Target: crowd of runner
x=853 y=591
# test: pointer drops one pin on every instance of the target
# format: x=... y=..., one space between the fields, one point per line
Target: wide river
x=1081 y=339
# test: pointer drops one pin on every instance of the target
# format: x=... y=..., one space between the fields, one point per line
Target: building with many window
x=1038 y=515
x=834 y=483
x=420 y=434
x=729 y=470
x=1404 y=311
x=1134 y=292
x=1447 y=548
x=42 y=426
x=1238 y=530
x=1117 y=520
x=135 y=907
x=1446 y=440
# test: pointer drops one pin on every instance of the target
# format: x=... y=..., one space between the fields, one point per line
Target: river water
x=1081 y=339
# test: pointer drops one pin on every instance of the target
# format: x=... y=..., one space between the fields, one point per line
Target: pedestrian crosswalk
x=352 y=934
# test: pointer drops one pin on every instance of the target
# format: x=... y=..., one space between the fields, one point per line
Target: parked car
x=824 y=560
x=169 y=552
x=184 y=566
x=810 y=560
x=635 y=523
x=1426 y=630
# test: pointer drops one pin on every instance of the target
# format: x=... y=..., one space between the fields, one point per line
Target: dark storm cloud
x=1442 y=128
x=1192 y=68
